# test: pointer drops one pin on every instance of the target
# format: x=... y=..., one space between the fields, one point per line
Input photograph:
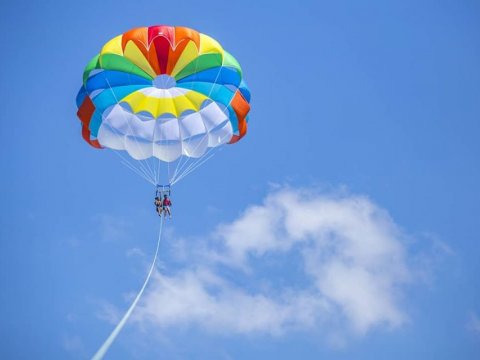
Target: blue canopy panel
x=110 y=78
x=95 y=122
x=82 y=93
x=219 y=93
x=244 y=90
x=218 y=75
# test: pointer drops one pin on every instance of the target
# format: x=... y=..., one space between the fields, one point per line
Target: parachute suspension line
x=137 y=170
x=159 y=169
x=156 y=170
x=194 y=166
x=157 y=175
x=179 y=169
x=198 y=162
x=145 y=166
x=106 y=345
x=176 y=167
x=179 y=164
x=168 y=172
x=186 y=168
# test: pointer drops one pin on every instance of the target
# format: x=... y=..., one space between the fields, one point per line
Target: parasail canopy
x=163 y=92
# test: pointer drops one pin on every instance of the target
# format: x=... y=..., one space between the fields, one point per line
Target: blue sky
x=357 y=182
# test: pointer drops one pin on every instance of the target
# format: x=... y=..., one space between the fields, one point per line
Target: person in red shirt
x=166 y=206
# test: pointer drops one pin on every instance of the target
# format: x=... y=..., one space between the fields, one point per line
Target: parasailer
x=158 y=205
x=166 y=203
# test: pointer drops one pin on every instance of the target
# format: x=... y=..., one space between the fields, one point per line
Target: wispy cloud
x=106 y=311
x=73 y=343
x=111 y=228
x=473 y=323
x=199 y=297
x=342 y=258
x=135 y=252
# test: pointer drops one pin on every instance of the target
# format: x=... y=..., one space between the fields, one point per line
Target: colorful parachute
x=163 y=92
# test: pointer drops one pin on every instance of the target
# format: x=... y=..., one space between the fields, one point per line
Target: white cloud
x=341 y=257
x=73 y=343
x=111 y=228
x=204 y=299
x=107 y=312
x=473 y=323
x=135 y=252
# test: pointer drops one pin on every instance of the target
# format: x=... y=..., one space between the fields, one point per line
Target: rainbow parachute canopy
x=163 y=91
